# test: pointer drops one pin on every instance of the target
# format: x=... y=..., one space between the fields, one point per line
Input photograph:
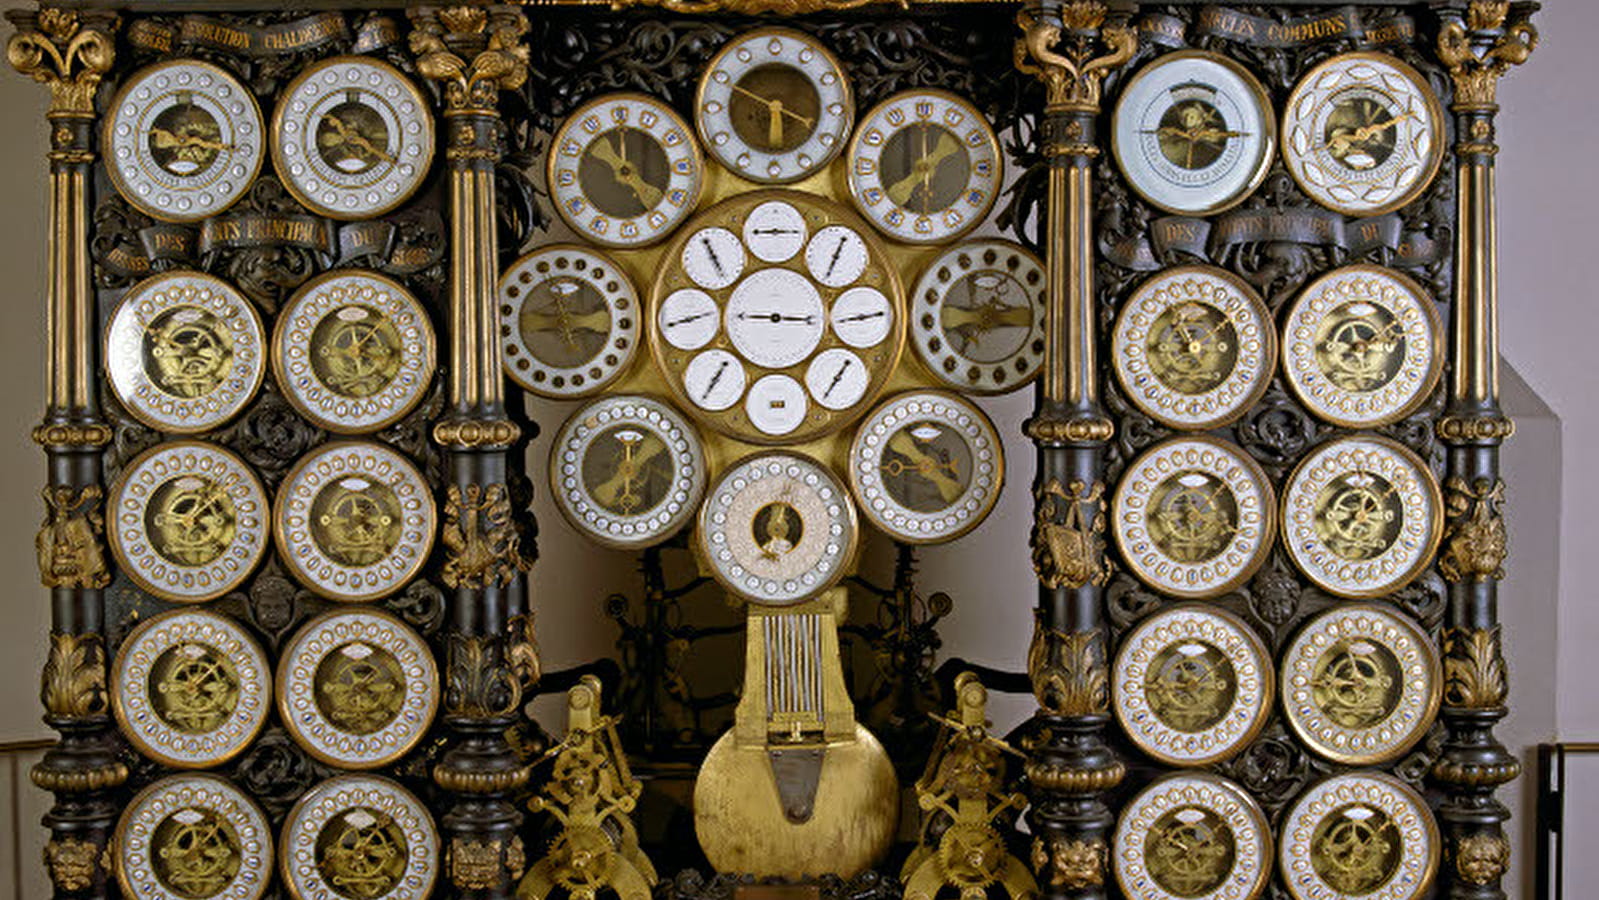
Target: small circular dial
x=977 y=317
x=1194 y=133
x=569 y=321
x=1191 y=835
x=627 y=471
x=782 y=351
x=1362 y=346
x=1194 y=347
x=360 y=833
x=183 y=140
x=924 y=167
x=624 y=170
x=777 y=528
x=1363 y=134
x=192 y=835
x=774 y=106
x=1193 y=516
x=352 y=137
x=926 y=467
x=1362 y=834
x=1362 y=516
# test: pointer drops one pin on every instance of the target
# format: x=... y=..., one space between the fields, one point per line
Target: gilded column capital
x=1063 y=50
x=1480 y=47
x=66 y=50
x=474 y=52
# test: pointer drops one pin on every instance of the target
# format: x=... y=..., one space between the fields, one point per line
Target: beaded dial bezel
x=1226 y=803
x=191 y=794
x=1414 y=825
x=339 y=796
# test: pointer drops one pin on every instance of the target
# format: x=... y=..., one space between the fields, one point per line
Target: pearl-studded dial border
x=1367 y=793
x=346 y=797
x=192 y=796
x=1211 y=797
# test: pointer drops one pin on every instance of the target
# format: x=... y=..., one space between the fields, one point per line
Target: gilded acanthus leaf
x=62 y=50
x=1474 y=669
x=1476 y=72
x=73 y=684
x=1062 y=54
x=474 y=52
x=1069 y=671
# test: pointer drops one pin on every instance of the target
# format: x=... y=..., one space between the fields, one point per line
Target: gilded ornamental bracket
x=66 y=50
x=1474 y=546
x=1482 y=47
x=474 y=52
x=70 y=543
x=1064 y=52
x=1068 y=538
x=481 y=537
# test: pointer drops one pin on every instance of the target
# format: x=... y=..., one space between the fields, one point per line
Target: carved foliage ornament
x=55 y=47
x=1474 y=669
x=1476 y=64
x=1069 y=671
x=1061 y=53
x=1070 y=864
x=73 y=685
x=1474 y=534
x=1068 y=534
x=70 y=542
x=490 y=36
x=480 y=537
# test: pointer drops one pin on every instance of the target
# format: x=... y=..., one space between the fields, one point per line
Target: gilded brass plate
x=1365 y=835
x=193 y=837
x=354 y=520
x=1363 y=134
x=977 y=316
x=569 y=321
x=1362 y=516
x=1192 y=835
x=926 y=467
x=1192 y=685
x=352 y=137
x=184 y=352
x=777 y=529
x=188 y=521
x=628 y=471
x=183 y=140
x=359 y=836
x=357 y=689
x=1194 y=516
x=353 y=351
x=191 y=688
x=1363 y=346
x=1360 y=684
x=1194 y=347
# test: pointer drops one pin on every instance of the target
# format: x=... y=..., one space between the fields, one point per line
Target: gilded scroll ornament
x=1061 y=53
x=499 y=63
x=1476 y=72
x=1069 y=863
x=1474 y=530
x=522 y=654
x=58 y=48
x=71 y=863
x=1482 y=859
x=74 y=682
x=752 y=7
x=70 y=542
x=481 y=540
x=1474 y=669
x=1069 y=671
x=1068 y=540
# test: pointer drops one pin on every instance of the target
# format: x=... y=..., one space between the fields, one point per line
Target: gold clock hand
x=625 y=175
x=922 y=170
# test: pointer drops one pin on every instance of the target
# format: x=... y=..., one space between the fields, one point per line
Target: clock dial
x=1362 y=346
x=776 y=352
x=1361 y=834
x=352 y=137
x=627 y=471
x=569 y=321
x=774 y=106
x=360 y=829
x=977 y=317
x=192 y=835
x=183 y=140
x=1362 y=516
x=1363 y=134
x=624 y=170
x=926 y=467
x=1194 y=347
x=777 y=528
x=924 y=167
x=1189 y=835
x=1194 y=133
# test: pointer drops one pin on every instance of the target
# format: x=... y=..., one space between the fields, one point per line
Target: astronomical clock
x=748 y=295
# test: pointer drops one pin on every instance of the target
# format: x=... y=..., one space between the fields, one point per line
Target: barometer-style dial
x=977 y=316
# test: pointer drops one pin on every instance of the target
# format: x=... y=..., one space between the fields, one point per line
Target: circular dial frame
x=1363 y=834
x=774 y=106
x=804 y=339
x=1192 y=835
x=1360 y=684
x=1194 y=347
x=1362 y=516
x=627 y=471
x=623 y=170
x=977 y=316
x=925 y=167
x=569 y=321
x=354 y=520
x=183 y=140
x=191 y=689
x=1194 y=516
x=352 y=137
x=1194 y=133
x=187 y=521
x=926 y=467
x=353 y=351
x=361 y=826
x=1363 y=134
x=193 y=835
x=1363 y=346
x=184 y=352
x=777 y=529
x=1192 y=685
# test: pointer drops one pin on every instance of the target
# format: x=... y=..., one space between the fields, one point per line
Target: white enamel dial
x=977 y=316
x=775 y=231
x=836 y=256
x=713 y=258
x=924 y=166
x=774 y=106
x=689 y=319
x=861 y=317
x=569 y=321
x=624 y=170
x=837 y=378
x=776 y=404
x=714 y=380
x=775 y=318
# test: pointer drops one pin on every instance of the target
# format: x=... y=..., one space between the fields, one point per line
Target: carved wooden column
x=1071 y=48
x=1478 y=44
x=474 y=53
x=70 y=52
